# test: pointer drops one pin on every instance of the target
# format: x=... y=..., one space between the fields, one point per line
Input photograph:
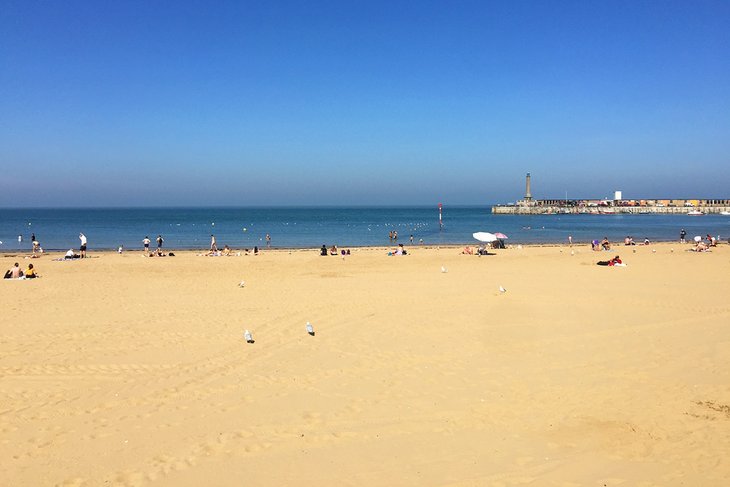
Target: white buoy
x=247 y=335
x=502 y=290
x=309 y=328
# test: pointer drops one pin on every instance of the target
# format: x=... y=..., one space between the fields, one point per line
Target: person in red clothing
x=616 y=260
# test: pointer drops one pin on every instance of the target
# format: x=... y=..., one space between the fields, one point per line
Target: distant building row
x=529 y=205
x=697 y=203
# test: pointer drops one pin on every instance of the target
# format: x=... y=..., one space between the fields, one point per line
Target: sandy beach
x=130 y=371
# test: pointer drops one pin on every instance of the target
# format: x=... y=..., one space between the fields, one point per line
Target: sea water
x=191 y=228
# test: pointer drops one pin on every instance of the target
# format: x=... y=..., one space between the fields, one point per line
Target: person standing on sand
x=213 y=246
x=159 y=243
x=682 y=236
x=146 y=242
x=268 y=241
x=82 y=249
x=570 y=240
x=411 y=239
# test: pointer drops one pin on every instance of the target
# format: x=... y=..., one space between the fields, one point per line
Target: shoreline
x=414 y=246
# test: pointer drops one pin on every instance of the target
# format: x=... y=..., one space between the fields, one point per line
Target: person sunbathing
x=613 y=262
x=71 y=254
x=701 y=247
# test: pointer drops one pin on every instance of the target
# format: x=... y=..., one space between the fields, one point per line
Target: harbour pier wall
x=608 y=210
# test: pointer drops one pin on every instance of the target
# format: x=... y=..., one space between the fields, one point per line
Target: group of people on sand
x=481 y=250
x=604 y=244
x=332 y=251
x=158 y=253
x=16 y=272
x=629 y=240
x=704 y=245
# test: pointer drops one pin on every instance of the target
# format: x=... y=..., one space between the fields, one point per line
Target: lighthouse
x=528 y=195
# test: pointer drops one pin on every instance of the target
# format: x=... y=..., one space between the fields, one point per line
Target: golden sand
x=124 y=370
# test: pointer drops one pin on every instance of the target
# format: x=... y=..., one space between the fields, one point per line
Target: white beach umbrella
x=485 y=237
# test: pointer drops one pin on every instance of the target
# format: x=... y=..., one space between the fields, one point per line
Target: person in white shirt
x=213 y=246
x=146 y=242
x=82 y=249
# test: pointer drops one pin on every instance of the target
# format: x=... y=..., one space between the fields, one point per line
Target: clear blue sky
x=337 y=103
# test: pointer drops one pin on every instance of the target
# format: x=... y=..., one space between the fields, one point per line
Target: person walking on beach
x=268 y=241
x=146 y=242
x=411 y=239
x=82 y=249
x=570 y=240
x=213 y=246
x=159 y=243
x=682 y=236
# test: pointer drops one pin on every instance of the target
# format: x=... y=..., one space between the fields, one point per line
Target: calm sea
x=190 y=228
